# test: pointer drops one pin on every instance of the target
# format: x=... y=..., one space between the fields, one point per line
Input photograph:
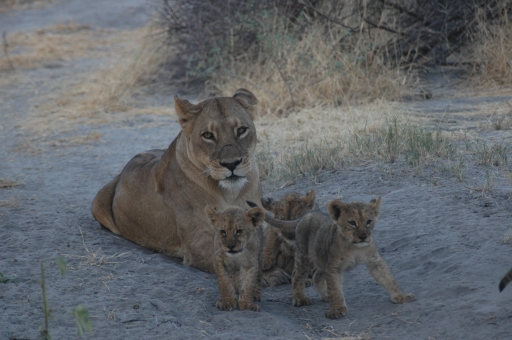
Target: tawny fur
x=279 y=249
x=237 y=260
x=506 y=280
x=330 y=246
x=158 y=200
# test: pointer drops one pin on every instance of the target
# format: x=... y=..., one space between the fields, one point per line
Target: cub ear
x=211 y=213
x=186 y=112
x=336 y=208
x=248 y=101
x=267 y=203
x=256 y=216
x=310 y=198
x=375 y=205
x=252 y=204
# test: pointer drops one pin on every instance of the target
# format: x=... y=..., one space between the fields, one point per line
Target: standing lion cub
x=236 y=256
x=332 y=248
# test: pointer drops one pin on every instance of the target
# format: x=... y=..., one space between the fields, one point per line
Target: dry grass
x=9 y=183
x=310 y=72
x=97 y=257
x=7 y=5
x=491 y=53
x=50 y=45
x=95 y=96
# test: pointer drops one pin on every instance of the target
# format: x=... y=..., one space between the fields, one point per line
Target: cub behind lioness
x=236 y=256
x=332 y=248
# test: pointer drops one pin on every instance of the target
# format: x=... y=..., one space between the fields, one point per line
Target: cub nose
x=363 y=237
x=231 y=166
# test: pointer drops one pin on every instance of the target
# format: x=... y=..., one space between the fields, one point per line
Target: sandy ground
x=444 y=240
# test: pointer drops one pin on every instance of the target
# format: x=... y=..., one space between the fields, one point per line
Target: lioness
x=332 y=248
x=159 y=198
x=237 y=256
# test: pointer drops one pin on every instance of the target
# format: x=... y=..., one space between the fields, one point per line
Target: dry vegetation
x=336 y=70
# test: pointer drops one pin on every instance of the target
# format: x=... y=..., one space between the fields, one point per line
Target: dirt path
x=442 y=239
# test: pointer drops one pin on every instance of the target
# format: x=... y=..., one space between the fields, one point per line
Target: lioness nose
x=231 y=166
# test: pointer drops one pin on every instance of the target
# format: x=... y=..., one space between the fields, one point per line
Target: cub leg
x=321 y=284
x=338 y=306
x=249 y=281
x=382 y=274
x=299 y=276
x=227 y=299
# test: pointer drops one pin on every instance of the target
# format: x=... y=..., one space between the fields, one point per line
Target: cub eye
x=241 y=131
x=208 y=135
x=223 y=232
x=369 y=222
x=352 y=223
x=239 y=231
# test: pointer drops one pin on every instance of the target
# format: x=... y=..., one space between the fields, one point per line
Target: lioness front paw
x=336 y=313
x=302 y=301
x=248 y=306
x=403 y=298
x=226 y=304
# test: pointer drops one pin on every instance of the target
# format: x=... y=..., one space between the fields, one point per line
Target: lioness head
x=356 y=220
x=291 y=206
x=221 y=136
x=234 y=226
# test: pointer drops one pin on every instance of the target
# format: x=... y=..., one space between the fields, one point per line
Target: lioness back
x=236 y=260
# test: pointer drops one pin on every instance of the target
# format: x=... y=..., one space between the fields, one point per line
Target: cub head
x=291 y=206
x=220 y=136
x=356 y=220
x=234 y=226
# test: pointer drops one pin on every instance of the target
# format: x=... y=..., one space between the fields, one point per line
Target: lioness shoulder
x=236 y=256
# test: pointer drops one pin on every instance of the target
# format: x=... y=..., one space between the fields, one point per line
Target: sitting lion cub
x=236 y=256
x=332 y=248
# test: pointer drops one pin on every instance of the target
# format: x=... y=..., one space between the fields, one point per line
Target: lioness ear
x=336 y=208
x=211 y=213
x=186 y=112
x=248 y=101
x=309 y=199
x=256 y=216
x=375 y=205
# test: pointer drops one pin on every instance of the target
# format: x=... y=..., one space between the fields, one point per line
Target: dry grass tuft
x=49 y=46
x=97 y=257
x=491 y=52
x=9 y=183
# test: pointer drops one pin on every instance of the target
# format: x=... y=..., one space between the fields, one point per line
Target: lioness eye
x=208 y=135
x=239 y=231
x=223 y=232
x=241 y=131
x=369 y=222
x=352 y=223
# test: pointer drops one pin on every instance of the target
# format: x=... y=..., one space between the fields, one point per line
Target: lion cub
x=278 y=249
x=236 y=260
x=332 y=248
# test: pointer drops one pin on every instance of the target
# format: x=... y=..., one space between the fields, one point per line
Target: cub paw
x=302 y=301
x=226 y=304
x=275 y=277
x=403 y=298
x=336 y=313
x=249 y=306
